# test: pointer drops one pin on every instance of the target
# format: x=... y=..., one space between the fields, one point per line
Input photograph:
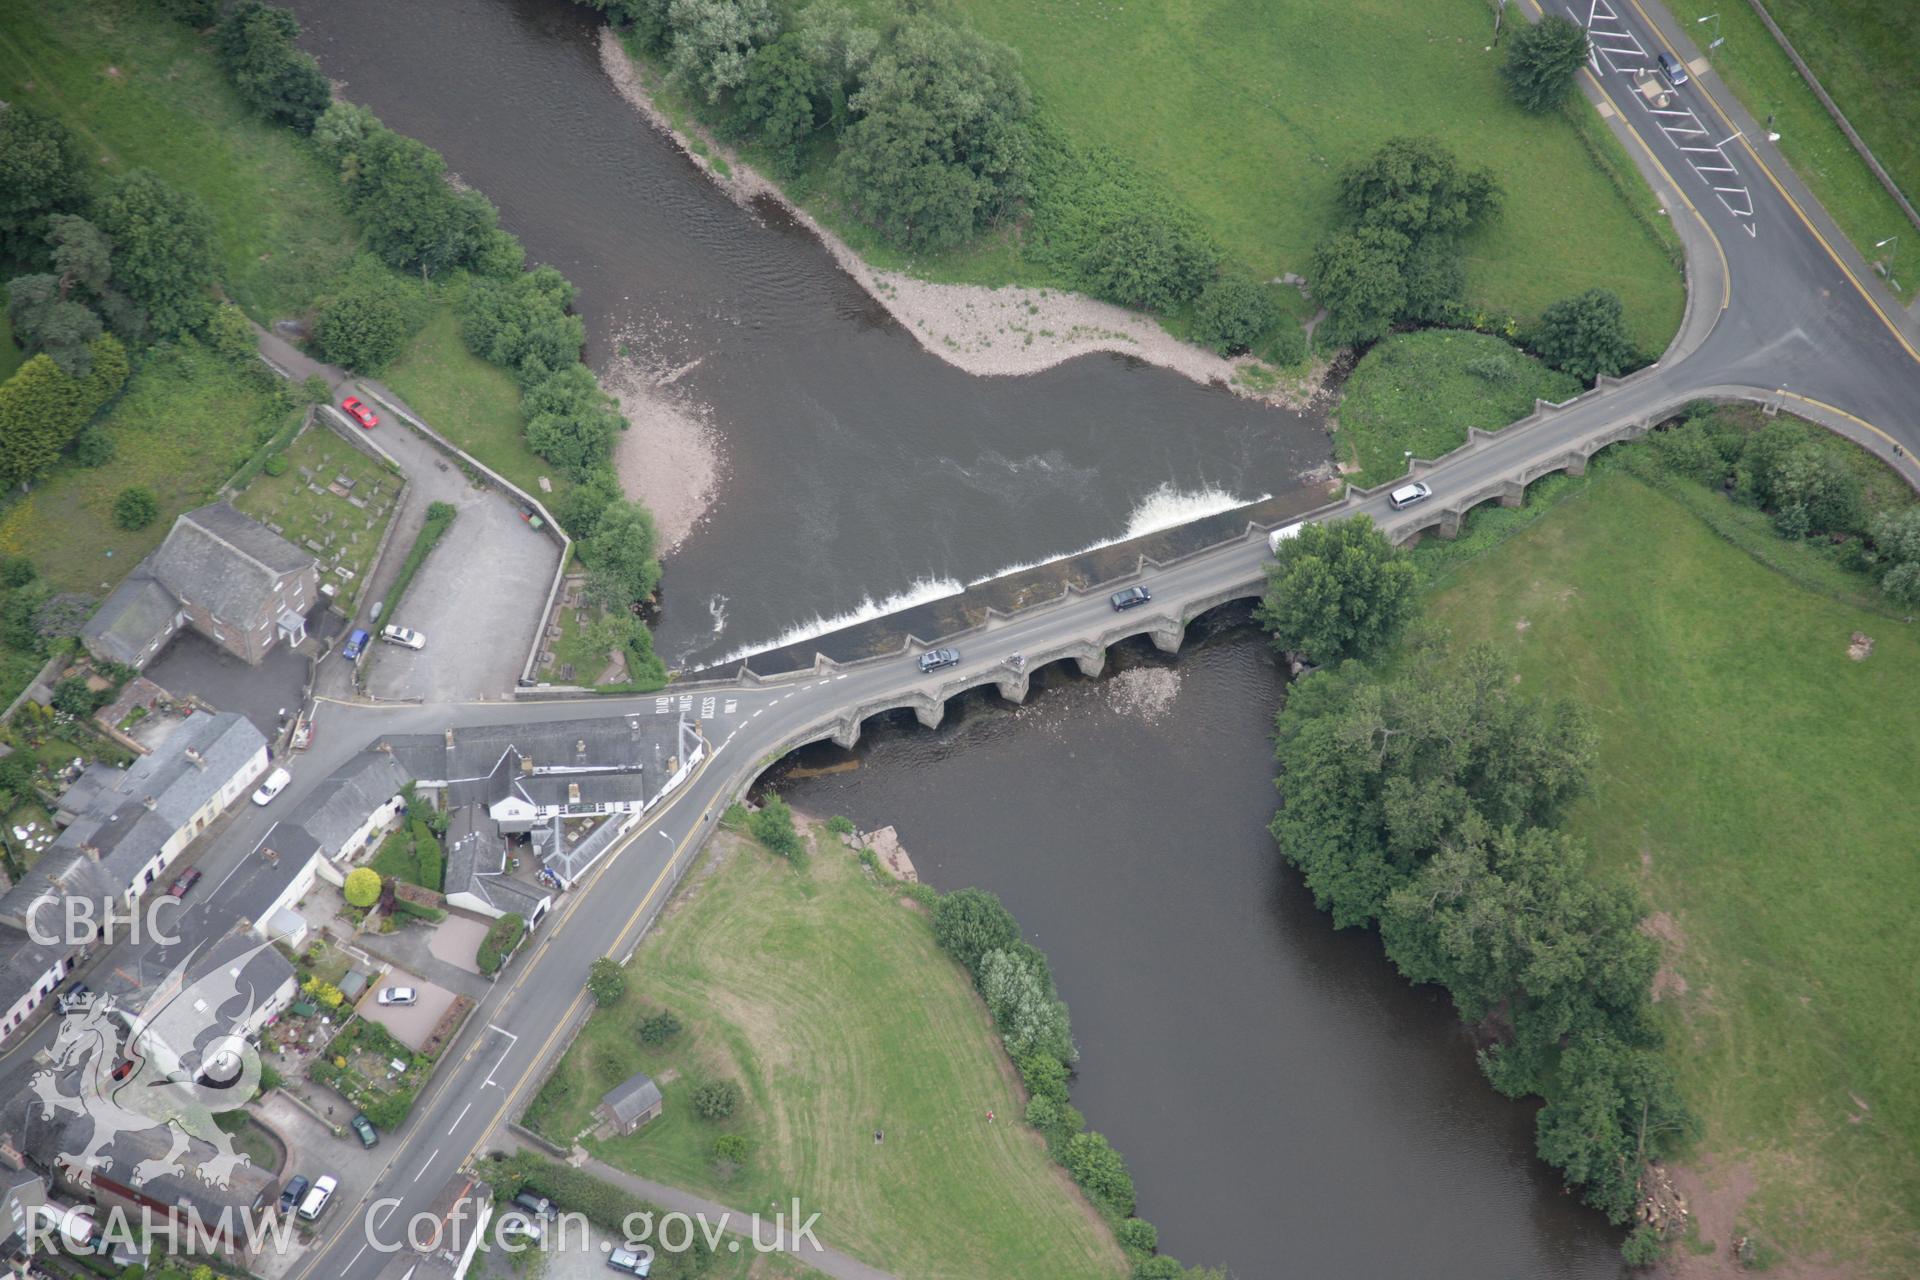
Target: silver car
x=399 y=995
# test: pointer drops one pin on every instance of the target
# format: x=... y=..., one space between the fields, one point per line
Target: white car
x=399 y=995
x=276 y=783
x=1280 y=535
x=517 y=1226
x=404 y=636
x=316 y=1202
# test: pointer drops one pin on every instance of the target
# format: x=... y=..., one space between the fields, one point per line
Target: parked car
x=356 y=645
x=399 y=995
x=77 y=996
x=183 y=882
x=275 y=783
x=1280 y=535
x=537 y=1205
x=1408 y=494
x=296 y=1191
x=518 y=1226
x=316 y=1202
x=934 y=659
x=404 y=636
x=1132 y=597
x=1673 y=69
x=360 y=413
x=637 y=1264
x=363 y=1128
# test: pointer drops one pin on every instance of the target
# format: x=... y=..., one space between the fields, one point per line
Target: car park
x=399 y=996
x=406 y=637
x=275 y=783
x=636 y=1264
x=1130 y=598
x=183 y=882
x=296 y=1190
x=316 y=1202
x=364 y=1130
x=360 y=413
x=1673 y=69
x=356 y=645
x=935 y=659
x=1408 y=494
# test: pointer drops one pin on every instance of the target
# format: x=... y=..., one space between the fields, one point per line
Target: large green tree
x=1542 y=60
x=366 y=319
x=1586 y=335
x=939 y=143
x=522 y=323
x=777 y=98
x=45 y=319
x=162 y=249
x=622 y=556
x=1417 y=187
x=1359 y=276
x=571 y=422
x=42 y=171
x=713 y=41
x=1232 y=313
x=39 y=413
x=1338 y=590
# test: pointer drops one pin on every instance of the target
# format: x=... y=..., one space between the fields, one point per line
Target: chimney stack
x=150 y=802
x=194 y=755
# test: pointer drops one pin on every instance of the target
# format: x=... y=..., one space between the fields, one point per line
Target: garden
x=372 y=1070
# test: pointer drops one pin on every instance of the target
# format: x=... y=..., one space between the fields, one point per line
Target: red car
x=360 y=413
x=188 y=879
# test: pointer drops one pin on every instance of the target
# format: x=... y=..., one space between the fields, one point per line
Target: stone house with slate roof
x=224 y=574
x=629 y=1104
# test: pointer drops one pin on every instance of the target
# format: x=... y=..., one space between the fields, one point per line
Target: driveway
x=410 y=1024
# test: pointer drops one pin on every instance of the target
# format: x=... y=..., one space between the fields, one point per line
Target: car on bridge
x=1131 y=598
x=1408 y=494
x=935 y=659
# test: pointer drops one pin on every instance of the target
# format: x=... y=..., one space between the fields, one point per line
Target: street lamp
x=1718 y=39
x=1887 y=268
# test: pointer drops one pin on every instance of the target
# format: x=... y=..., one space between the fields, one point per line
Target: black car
x=1672 y=68
x=364 y=1128
x=1124 y=600
x=934 y=659
x=77 y=996
x=295 y=1192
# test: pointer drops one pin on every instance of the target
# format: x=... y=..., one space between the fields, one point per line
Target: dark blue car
x=356 y=645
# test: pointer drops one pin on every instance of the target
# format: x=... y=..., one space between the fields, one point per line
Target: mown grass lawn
x=474 y=404
x=1864 y=52
x=1759 y=785
x=1421 y=391
x=824 y=996
x=142 y=91
x=185 y=423
x=1249 y=111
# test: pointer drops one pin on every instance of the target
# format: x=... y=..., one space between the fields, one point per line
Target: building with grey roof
x=124 y=829
x=630 y=1104
x=229 y=577
x=354 y=801
x=478 y=874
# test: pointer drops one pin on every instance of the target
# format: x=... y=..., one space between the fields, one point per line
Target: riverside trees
x=1337 y=590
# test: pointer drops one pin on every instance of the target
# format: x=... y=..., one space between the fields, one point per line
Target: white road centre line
x=427 y=1164
x=462 y=1116
x=756 y=715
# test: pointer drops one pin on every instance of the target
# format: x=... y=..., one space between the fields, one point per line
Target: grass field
x=1249 y=111
x=474 y=404
x=1757 y=783
x=1421 y=391
x=826 y=998
x=1864 y=52
x=186 y=422
x=142 y=91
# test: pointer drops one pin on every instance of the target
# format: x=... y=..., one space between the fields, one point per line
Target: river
x=1289 y=1107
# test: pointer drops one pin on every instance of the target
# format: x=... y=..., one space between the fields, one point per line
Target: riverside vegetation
x=255 y=182
x=728 y=991
x=921 y=141
x=1501 y=846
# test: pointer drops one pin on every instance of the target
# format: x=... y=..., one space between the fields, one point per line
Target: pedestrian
x=989 y=1117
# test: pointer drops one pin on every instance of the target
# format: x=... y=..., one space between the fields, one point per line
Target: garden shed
x=630 y=1104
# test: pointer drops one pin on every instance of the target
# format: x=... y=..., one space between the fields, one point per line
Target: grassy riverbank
x=1863 y=54
x=1753 y=779
x=1421 y=391
x=822 y=993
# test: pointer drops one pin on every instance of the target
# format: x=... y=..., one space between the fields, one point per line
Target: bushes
x=621 y=556
x=571 y=422
x=256 y=50
x=970 y=923
x=1586 y=335
x=716 y=1099
x=522 y=324
x=607 y=981
x=501 y=939
x=135 y=508
x=363 y=887
x=1338 y=590
x=1542 y=60
x=659 y=1028
x=439 y=519
x=772 y=825
x=1101 y=1171
x=1233 y=313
